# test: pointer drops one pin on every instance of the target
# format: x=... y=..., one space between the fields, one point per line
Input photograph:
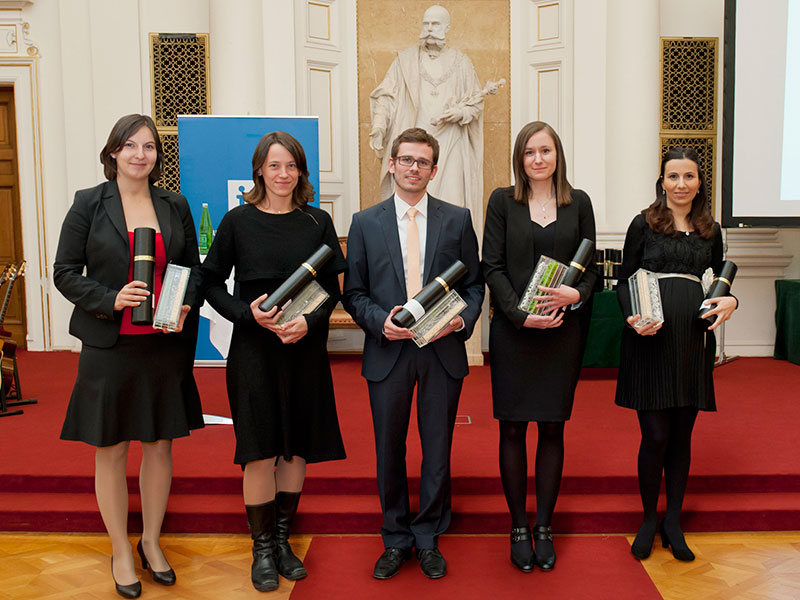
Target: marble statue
x=434 y=86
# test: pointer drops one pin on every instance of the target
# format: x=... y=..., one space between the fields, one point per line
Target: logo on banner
x=236 y=190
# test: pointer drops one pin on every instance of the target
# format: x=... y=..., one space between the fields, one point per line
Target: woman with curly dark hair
x=665 y=369
x=278 y=375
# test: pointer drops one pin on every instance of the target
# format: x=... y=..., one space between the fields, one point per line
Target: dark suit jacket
x=374 y=282
x=508 y=247
x=94 y=236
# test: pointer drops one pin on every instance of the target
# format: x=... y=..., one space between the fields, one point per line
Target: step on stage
x=745 y=471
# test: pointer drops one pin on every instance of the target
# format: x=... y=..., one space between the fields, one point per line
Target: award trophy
x=144 y=267
x=547 y=273
x=428 y=297
x=720 y=287
x=551 y=273
x=645 y=297
x=170 y=301
x=298 y=288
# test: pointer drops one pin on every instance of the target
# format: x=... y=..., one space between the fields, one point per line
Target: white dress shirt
x=402 y=229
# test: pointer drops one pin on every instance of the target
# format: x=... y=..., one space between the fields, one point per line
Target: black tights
x=514 y=469
x=666 y=446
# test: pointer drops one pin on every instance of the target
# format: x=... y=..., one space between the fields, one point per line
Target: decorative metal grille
x=181 y=84
x=705 y=148
x=171 y=171
x=688 y=84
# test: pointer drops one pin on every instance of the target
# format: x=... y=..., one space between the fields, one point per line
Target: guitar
x=7 y=344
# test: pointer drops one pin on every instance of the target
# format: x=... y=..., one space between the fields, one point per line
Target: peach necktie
x=414 y=283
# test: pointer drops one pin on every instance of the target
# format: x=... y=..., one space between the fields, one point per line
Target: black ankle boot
x=261 y=519
x=289 y=565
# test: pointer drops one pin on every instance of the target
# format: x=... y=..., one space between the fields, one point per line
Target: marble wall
x=480 y=29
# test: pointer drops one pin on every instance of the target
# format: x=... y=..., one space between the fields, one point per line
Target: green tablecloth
x=787 y=320
x=605 y=331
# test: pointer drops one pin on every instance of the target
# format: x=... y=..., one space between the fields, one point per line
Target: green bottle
x=206 y=231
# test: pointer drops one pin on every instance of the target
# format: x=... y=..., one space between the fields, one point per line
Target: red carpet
x=591 y=568
x=745 y=471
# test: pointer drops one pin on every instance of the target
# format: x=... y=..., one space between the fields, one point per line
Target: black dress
x=281 y=395
x=129 y=386
x=534 y=371
x=672 y=368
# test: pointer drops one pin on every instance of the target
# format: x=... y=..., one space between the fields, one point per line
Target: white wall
x=94 y=67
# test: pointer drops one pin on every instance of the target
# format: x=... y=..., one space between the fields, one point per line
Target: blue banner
x=216 y=154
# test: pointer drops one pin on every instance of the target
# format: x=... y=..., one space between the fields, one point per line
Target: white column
x=237 y=57
x=632 y=102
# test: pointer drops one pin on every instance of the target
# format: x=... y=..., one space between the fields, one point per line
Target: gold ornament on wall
x=180 y=85
x=689 y=101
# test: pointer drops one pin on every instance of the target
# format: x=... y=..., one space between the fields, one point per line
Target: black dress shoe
x=390 y=561
x=643 y=544
x=432 y=562
x=543 y=549
x=679 y=548
x=160 y=577
x=133 y=590
x=521 y=550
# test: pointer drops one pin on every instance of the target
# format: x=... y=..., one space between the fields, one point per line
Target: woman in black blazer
x=134 y=382
x=535 y=359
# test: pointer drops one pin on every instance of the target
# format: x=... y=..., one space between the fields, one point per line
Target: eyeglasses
x=423 y=164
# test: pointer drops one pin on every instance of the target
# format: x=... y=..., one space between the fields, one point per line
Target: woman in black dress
x=134 y=382
x=665 y=369
x=278 y=375
x=535 y=359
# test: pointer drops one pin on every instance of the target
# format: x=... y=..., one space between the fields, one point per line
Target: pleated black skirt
x=672 y=368
x=141 y=389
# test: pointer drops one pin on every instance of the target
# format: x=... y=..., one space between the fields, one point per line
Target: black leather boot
x=289 y=565
x=261 y=519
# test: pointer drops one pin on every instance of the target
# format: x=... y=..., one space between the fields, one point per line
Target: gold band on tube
x=722 y=279
x=144 y=257
x=578 y=266
x=310 y=268
x=443 y=284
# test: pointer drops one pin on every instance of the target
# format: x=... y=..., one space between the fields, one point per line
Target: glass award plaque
x=306 y=301
x=170 y=301
x=548 y=273
x=434 y=320
x=645 y=297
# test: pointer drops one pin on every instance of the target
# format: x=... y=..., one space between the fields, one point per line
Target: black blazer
x=374 y=282
x=94 y=236
x=508 y=247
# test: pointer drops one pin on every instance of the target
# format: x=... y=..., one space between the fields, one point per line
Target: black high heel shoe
x=524 y=562
x=681 y=552
x=160 y=577
x=544 y=552
x=643 y=544
x=134 y=590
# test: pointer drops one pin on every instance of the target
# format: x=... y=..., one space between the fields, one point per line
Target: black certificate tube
x=720 y=287
x=298 y=280
x=144 y=269
x=429 y=295
x=579 y=262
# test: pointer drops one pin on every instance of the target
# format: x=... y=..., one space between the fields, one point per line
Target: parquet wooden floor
x=740 y=566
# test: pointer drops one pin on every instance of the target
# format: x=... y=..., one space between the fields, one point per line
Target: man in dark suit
x=393 y=249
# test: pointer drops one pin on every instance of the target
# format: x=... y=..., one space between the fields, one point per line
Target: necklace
x=435 y=83
x=544 y=206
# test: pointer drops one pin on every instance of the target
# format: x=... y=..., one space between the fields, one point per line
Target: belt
x=682 y=275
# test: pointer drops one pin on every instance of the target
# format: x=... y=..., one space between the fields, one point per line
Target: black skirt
x=534 y=371
x=141 y=389
x=672 y=368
